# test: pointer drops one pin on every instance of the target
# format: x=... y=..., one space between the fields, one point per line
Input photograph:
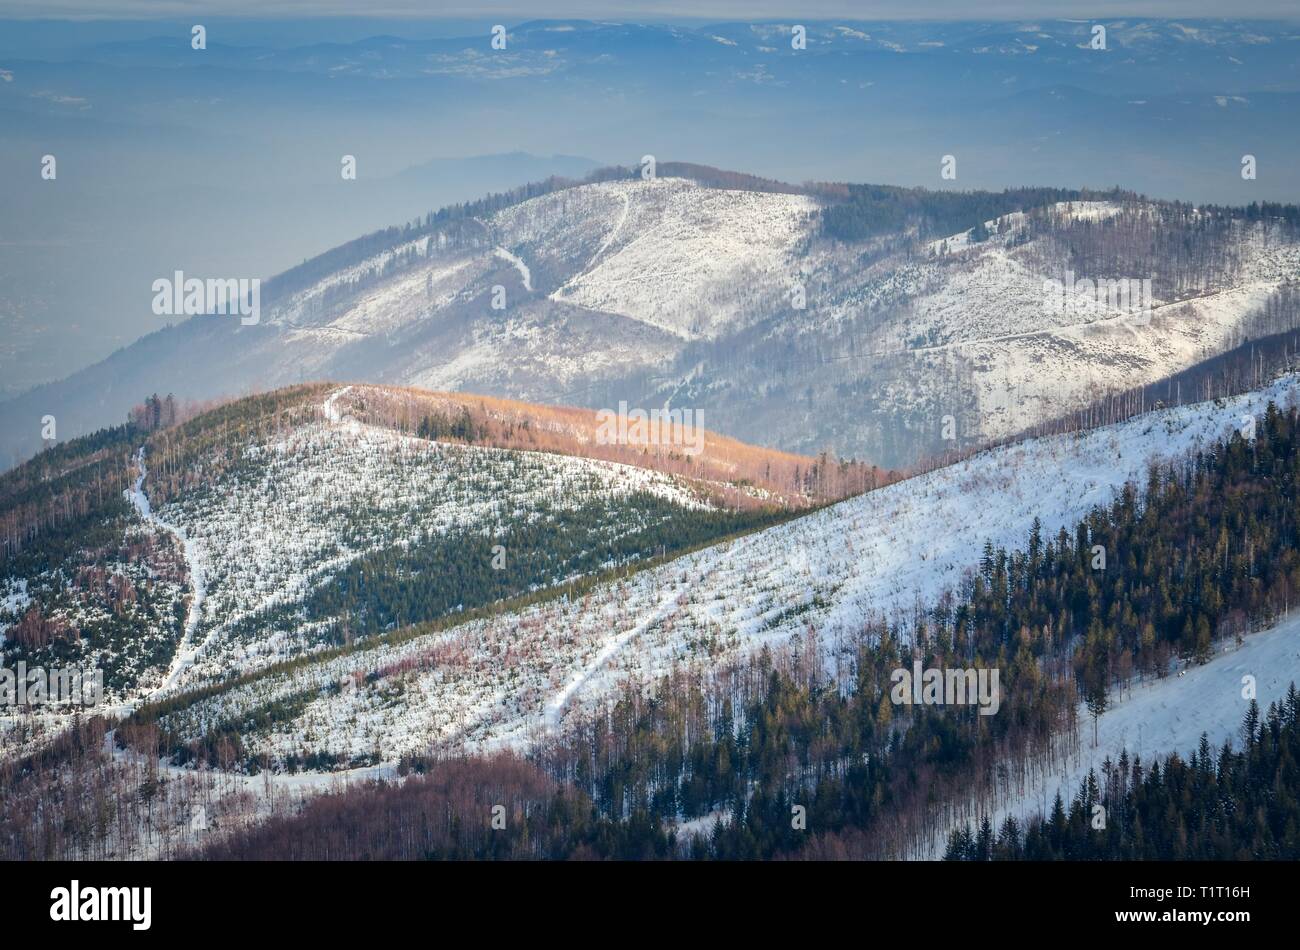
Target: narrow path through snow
x=330 y=410
x=663 y=609
x=609 y=238
x=194 y=560
x=600 y=251
x=520 y=266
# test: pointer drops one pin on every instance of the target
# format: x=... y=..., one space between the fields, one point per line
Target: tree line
x=1221 y=804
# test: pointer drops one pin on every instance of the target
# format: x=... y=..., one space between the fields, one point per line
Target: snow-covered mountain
x=512 y=678
x=746 y=300
x=308 y=580
x=595 y=282
x=667 y=274
x=318 y=516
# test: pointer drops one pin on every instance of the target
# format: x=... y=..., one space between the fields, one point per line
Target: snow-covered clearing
x=1032 y=361
x=1032 y=356
x=662 y=611
x=387 y=297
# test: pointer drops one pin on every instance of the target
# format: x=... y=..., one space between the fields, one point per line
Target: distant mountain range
x=247 y=135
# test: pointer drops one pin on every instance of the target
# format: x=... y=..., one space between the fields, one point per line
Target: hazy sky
x=720 y=9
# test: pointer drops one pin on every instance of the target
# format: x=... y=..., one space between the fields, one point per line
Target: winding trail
x=666 y=607
x=194 y=560
x=186 y=651
x=609 y=238
x=604 y=246
x=524 y=273
x=330 y=410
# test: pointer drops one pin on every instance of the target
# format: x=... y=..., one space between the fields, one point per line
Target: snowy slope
x=508 y=679
x=1152 y=719
x=672 y=253
x=667 y=252
x=113 y=604
x=303 y=507
x=985 y=303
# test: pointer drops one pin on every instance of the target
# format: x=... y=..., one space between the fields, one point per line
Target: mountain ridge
x=727 y=293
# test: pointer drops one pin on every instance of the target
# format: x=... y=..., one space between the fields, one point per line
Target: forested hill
x=199 y=540
x=718 y=771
